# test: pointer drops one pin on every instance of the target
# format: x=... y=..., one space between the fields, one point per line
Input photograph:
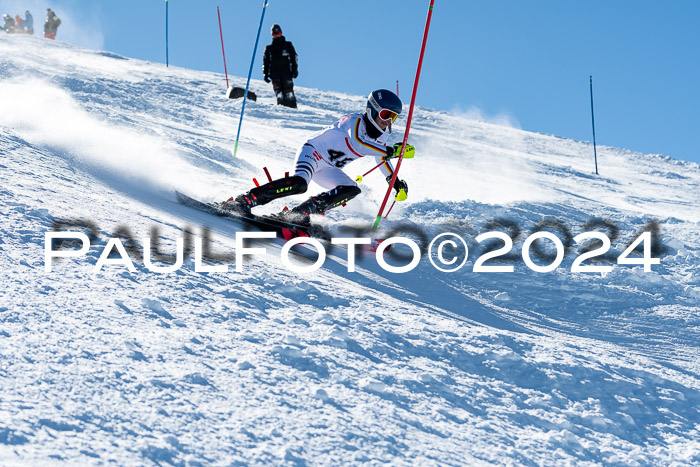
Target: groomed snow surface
x=267 y=366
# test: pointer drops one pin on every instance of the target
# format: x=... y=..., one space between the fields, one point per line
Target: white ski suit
x=323 y=157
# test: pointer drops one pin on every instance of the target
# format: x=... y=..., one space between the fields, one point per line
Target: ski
x=287 y=230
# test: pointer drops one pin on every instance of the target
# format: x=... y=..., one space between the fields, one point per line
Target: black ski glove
x=267 y=79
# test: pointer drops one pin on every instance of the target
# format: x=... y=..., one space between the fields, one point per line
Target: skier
x=28 y=24
x=323 y=157
x=9 y=26
x=51 y=25
x=280 y=66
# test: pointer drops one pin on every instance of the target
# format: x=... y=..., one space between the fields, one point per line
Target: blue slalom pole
x=595 y=154
x=250 y=71
x=166 y=33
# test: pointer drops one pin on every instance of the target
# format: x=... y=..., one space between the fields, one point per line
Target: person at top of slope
x=51 y=25
x=26 y=26
x=280 y=67
x=323 y=157
x=9 y=26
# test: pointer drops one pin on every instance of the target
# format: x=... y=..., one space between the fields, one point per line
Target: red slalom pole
x=222 y=45
x=410 y=116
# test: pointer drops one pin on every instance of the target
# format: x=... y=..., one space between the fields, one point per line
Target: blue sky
x=526 y=63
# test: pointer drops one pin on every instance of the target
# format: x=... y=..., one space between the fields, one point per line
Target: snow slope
x=270 y=366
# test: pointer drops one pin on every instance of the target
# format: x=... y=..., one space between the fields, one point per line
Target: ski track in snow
x=268 y=366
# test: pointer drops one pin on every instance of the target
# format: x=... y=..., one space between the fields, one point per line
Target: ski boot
x=241 y=204
x=299 y=215
x=319 y=204
x=263 y=194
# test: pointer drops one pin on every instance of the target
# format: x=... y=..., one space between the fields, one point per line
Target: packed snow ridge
x=268 y=366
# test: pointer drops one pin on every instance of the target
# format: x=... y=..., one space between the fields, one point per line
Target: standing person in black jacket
x=280 y=66
x=51 y=25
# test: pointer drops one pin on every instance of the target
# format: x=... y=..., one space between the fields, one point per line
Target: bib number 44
x=336 y=158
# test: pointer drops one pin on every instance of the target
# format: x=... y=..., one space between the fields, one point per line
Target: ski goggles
x=385 y=115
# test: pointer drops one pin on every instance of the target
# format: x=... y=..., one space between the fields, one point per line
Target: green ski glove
x=401 y=188
x=395 y=150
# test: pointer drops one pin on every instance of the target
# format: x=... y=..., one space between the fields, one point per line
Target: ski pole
x=595 y=154
x=221 y=33
x=410 y=116
x=359 y=177
x=250 y=71
x=166 y=33
x=390 y=208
